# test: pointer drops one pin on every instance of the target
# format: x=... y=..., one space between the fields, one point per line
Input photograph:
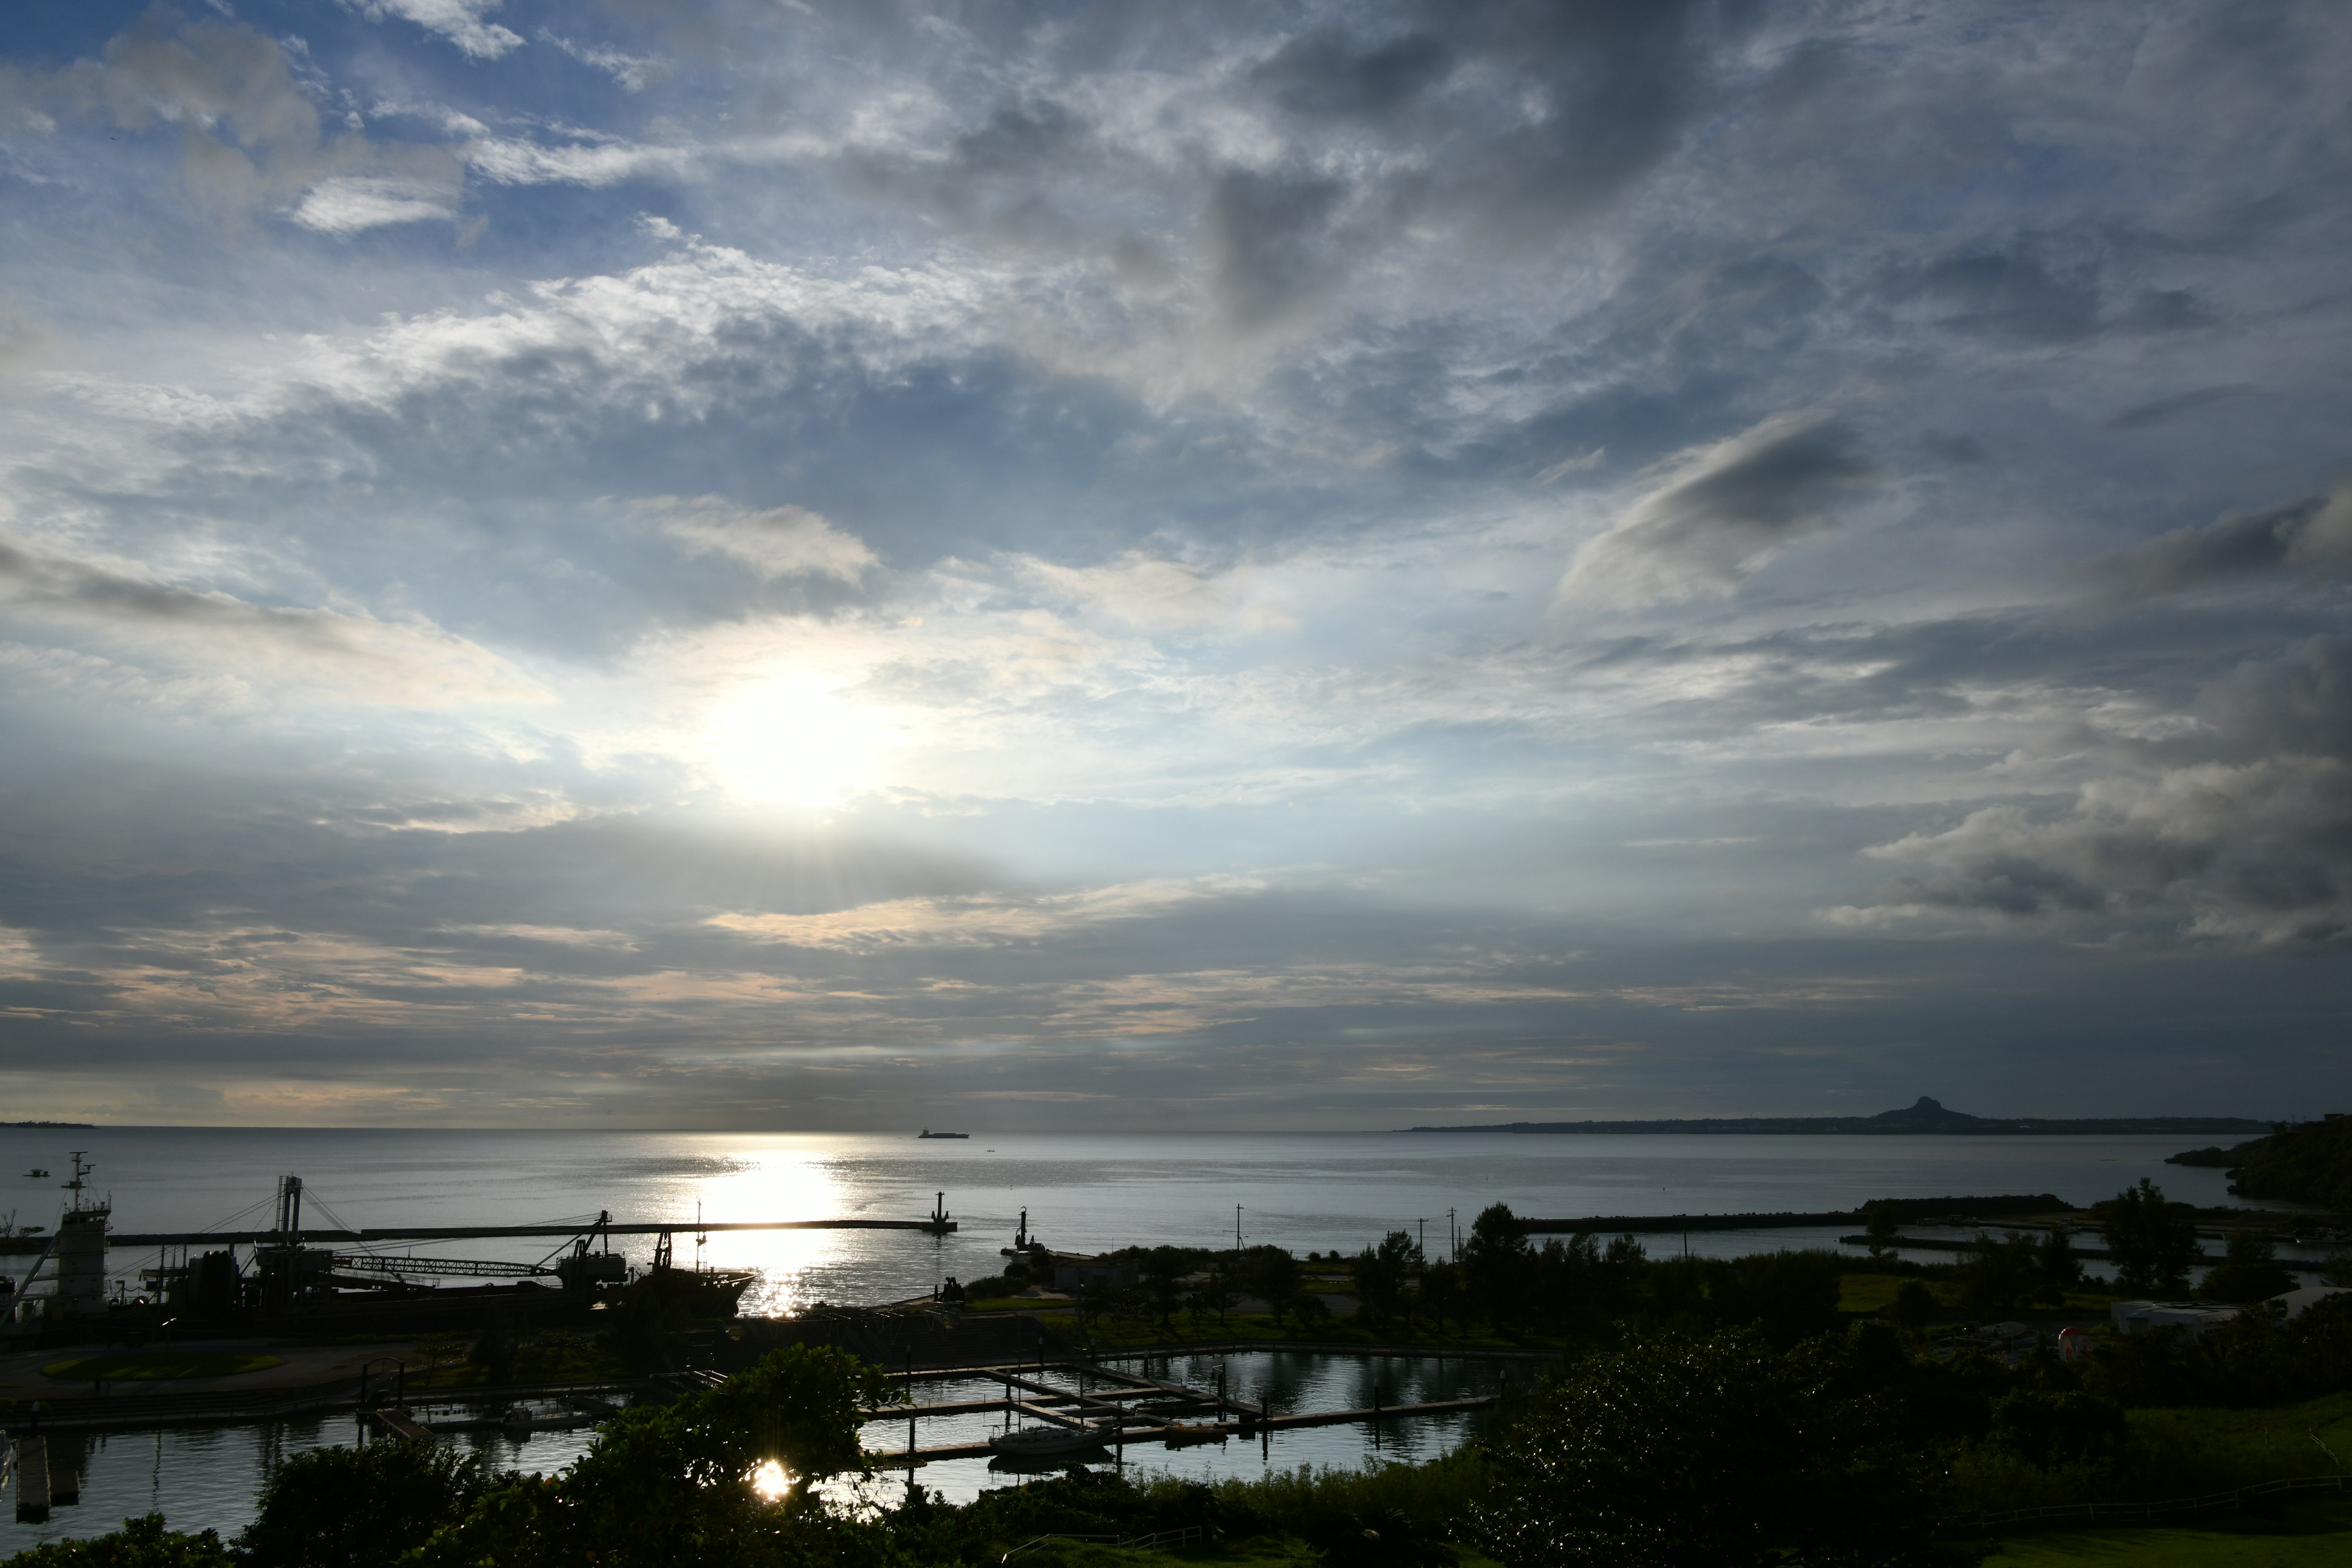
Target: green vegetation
x=2249 y=1271
x=143 y=1543
x=2153 y=1239
x=347 y=1507
x=144 y=1366
x=2308 y=1163
x=1716 y=1451
x=2316 y=1534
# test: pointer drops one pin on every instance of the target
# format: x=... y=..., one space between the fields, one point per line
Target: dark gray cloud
x=1330 y=73
x=2311 y=537
x=1722 y=512
x=2163 y=410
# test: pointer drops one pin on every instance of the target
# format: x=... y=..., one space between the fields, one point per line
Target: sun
x=772 y=1481
x=791 y=739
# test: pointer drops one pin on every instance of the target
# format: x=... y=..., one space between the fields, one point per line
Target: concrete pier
x=32 y=1466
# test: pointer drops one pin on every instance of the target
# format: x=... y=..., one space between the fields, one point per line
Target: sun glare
x=772 y=1481
x=791 y=739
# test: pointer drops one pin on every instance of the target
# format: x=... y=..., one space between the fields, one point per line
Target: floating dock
x=1179 y=1416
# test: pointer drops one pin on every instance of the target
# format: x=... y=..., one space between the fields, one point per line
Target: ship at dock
x=297 y=1278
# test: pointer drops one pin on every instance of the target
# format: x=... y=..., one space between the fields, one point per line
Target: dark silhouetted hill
x=1923 y=1115
x=2309 y=1162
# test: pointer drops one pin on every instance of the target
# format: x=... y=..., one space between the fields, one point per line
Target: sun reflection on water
x=769 y=1177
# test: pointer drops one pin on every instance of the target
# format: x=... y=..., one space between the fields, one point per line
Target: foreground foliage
x=1716 y=1451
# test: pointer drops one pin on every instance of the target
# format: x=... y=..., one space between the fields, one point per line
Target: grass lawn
x=147 y=1367
x=2312 y=1533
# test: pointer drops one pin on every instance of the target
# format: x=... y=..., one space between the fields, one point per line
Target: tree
x=1881 y=1226
x=2000 y=1276
x=1271 y=1274
x=1163 y=1270
x=1383 y=1273
x=2061 y=1269
x=1786 y=1296
x=1498 y=1265
x=2154 y=1241
x=353 y=1507
x=1211 y=1292
x=678 y=1484
x=1913 y=1306
x=1714 y=1452
x=1440 y=1291
x=2249 y=1271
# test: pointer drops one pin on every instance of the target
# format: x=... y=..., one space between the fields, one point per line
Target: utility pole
x=1453 y=1238
x=1237 y=1230
x=1423 y=1243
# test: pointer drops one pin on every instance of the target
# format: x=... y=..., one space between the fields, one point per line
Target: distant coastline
x=82 y=1126
x=1924 y=1116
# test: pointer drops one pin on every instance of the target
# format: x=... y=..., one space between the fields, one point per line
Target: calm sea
x=1308 y=1192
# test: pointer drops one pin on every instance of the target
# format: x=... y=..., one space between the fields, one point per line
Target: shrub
x=354 y=1507
x=1702 y=1451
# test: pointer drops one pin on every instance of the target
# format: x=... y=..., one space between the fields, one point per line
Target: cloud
x=633 y=72
x=251 y=135
x=351 y=203
x=416 y=662
x=2261 y=851
x=1272 y=253
x=1330 y=73
x=1721 y=513
x=2236 y=824
x=773 y=541
x=995 y=920
x=512 y=162
x=1152 y=594
x=2163 y=410
x=2311 y=537
x=462 y=22
x=2014 y=293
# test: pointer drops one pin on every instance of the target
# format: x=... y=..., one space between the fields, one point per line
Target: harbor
x=293 y=1275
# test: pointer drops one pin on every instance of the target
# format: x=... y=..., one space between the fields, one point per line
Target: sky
x=761 y=564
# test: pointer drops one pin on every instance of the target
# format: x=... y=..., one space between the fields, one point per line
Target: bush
x=142 y=1543
x=1703 y=1452
x=355 y=1508
x=2057 y=1429
x=2249 y=1271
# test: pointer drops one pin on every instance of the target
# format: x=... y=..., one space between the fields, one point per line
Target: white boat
x=1037 y=1442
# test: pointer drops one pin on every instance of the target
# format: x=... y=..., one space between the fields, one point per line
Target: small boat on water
x=1038 y=1442
x=37 y=1173
x=928 y=1133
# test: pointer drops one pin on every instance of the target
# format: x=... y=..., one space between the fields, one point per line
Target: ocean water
x=1309 y=1193
x=1312 y=1192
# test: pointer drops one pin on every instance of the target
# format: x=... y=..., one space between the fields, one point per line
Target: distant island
x=82 y=1126
x=1924 y=1115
